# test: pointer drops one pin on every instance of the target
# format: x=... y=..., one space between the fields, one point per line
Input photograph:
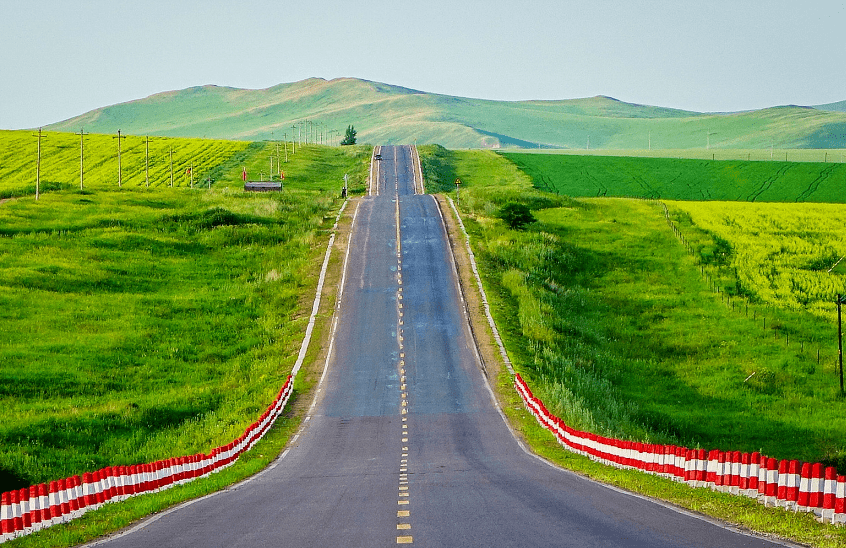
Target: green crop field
x=829 y=155
x=141 y=323
x=785 y=255
x=625 y=332
x=142 y=160
x=686 y=179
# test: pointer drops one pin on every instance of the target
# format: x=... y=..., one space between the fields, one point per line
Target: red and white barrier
x=802 y=487
x=31 y=509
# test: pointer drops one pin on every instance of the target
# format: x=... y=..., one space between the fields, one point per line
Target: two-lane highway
x=405 y=444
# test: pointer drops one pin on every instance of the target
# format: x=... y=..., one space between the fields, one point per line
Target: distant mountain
x=840 y=106
x=387 y=114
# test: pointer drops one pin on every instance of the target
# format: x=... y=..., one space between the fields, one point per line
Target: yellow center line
x=403 y=526
x=404 y=540
x=403 y=513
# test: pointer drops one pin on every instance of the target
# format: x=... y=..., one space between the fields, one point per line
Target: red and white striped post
x=829 y=494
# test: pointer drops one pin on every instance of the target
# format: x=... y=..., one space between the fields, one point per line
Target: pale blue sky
x=62 y=58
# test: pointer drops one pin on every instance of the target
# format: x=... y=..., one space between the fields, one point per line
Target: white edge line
x=316 y=305
x=670 y=506
x=484 y=295
x=145 y=521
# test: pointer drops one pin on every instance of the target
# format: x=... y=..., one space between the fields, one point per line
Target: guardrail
x=27 y=510
x=790 y=484
x=40 y=506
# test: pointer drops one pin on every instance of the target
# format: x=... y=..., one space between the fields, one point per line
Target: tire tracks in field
x=602 y=190
x=651 y=193
x=815 y=184
x=768 y=183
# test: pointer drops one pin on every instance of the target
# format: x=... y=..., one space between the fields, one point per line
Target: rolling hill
x=387 y=114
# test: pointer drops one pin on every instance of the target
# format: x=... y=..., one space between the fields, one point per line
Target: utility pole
x=147 y=160
x=286 y=148
x=840 y=341
x=120 y=171
x=293 y=139
x=38 y=168
x=271 y=167
x=81 y=134
x=278 y=164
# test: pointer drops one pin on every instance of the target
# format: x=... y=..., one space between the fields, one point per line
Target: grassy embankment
x=151 y=322
x=620 y=333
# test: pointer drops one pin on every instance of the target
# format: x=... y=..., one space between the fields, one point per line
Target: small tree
x=516 y=215
x=349 y=136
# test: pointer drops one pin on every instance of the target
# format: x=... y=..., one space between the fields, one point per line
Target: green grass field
x=831 y=155
x=686 y=179
x=622 y=333
x=141 y=323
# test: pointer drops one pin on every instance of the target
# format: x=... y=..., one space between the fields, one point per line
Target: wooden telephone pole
x=171 y=167
x=82 y=135
x=120 y=171
x=147 y=160
x=38 y=168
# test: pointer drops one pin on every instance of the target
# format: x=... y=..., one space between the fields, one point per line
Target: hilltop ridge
x=389 y=114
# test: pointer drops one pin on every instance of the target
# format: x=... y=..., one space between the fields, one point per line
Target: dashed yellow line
x=403 y=487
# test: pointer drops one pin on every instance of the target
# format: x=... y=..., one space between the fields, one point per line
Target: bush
x=516 y=216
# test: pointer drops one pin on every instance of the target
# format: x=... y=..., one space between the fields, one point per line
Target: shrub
x=516 y=216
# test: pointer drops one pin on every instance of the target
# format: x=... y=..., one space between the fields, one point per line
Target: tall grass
x=622 y=334
x=145 y=323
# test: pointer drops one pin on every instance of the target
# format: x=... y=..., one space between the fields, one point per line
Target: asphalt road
x=405 y=444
